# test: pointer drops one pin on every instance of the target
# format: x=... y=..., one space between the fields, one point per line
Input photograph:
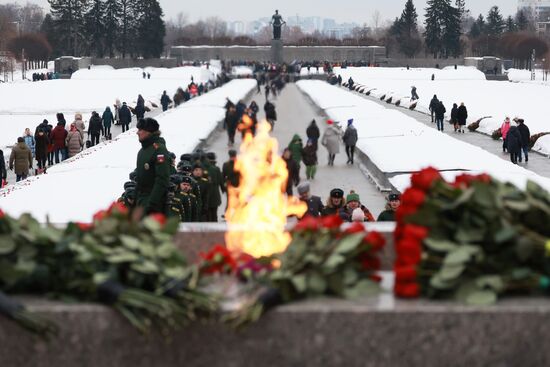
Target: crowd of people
x=192 y=188
x=516 y=139
x=36 y=77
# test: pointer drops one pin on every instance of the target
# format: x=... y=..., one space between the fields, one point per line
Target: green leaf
x=333 y=262
x=147 y=267
x=440 y=284
x=451 y=272
x=316 y=283
x=440 y=245
x=363 y=288
x=7 y=245
x=299 y=282
x=151 y=224
x=349 y=244
x=494 y=282
x=505 y=234
x=100 y=278
x=166 y=250
x=481 y=298
x=350 y=276
x=461 y=255
x=122 y=257
x=130 y=242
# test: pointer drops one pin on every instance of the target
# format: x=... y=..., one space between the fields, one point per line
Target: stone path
x=294 y=113
x=537 y=163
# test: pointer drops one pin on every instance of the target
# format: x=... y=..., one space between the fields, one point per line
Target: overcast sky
x=359 y=11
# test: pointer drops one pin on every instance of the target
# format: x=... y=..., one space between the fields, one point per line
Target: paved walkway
x=294 y=113
x=537 y=163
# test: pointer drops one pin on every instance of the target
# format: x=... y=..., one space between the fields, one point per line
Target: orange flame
x=258 y=209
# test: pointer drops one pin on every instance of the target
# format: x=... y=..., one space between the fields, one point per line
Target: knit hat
x=148 y=124
x=357 y=215
x=352 y=197
x=350 y=121
x=303 y=187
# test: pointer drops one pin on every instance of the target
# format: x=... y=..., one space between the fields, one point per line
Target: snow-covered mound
x=77 y=188
x=242 y=70
x=399 y=144
x=483 y=98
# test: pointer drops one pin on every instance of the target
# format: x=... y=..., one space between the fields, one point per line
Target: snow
x=398 y=144
x=242 y=70
x=492 y=99
x=77 y=188
x=26 y=104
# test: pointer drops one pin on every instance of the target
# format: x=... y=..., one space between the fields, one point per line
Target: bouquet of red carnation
x=471 y=239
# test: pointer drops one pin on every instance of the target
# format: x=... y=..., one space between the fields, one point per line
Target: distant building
x=539 y=8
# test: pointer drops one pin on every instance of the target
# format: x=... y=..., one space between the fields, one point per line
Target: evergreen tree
x=478 y=28
x=495 y=23
x=95 y=28
x=111 y=24
x=68 y=20
x=128 y=23
x=395 y=28
x=510 y=24
x=48 y=29
x=452 y=32
x=407 y=35
x=522 y=22
x=150 y=28
x=443 y=28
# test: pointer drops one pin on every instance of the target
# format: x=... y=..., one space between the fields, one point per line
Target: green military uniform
x=153 y=174
x=203 y=184
x=387 y=216
x=190 y=207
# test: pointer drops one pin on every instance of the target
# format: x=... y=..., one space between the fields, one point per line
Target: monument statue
x=277 y=22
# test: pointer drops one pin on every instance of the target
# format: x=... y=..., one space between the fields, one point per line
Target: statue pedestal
x=277 y=51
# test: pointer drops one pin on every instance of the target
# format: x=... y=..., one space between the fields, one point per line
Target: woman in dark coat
x=309 y=157
x=41 y=148
x=462 y=116
x=454 y=116
x=293 y=171
x=313 y=133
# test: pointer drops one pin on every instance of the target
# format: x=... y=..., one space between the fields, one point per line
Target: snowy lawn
x=482 y=98
x=398 y=144
x=77 y=188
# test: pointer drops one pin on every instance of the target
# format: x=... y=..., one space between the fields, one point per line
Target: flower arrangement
x=472 y=239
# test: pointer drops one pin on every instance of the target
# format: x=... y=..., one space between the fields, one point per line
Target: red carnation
x=218 y=260
x=485 y=178
x=159 y=217
x=404 y=211
x=376 y=240
x=405 y=274
x=370 y=263
x=118 y=207
x=407 y=290
x=355 y=227
x=100 y=215
x=414 y=231
x=2 y=214
x=409 y=251
x=307 y=223
x=375 y=278
x=413 y=198
x=331 y=222
x=84 y=226
x=424 y=179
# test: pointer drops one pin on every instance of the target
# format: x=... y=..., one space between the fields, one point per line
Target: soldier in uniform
x=174 y=204
x=186 y=169
x=216 y=185
x=153 y=168
x=203 y=184
x=188 y=200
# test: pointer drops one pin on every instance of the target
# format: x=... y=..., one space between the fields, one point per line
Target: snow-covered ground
x=312 y=70
x=242 y=71
x=398 y=144
x=492 y=99
x=79 y=187
x=27 y=104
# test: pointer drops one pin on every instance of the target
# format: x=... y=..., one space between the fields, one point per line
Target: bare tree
x=376 y=19
x=215 y=27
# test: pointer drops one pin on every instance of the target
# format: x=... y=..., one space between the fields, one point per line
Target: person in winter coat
x=21 y=159
x=296 y=146
x=253 y=110
x=44 y=126
x=525 y=139
x=414 y=95
x=107 y=119
x=117 y=107
x=504 y=131
x=513 y=143
x=57 y=138
x=270 y=113
x=231 y=123
x=80 y=126
x=462 y=116
x=95 y=129
x=388 y=215
x=216 y=181
x=440 y=115
x=125 y=116
x=335 y=202
x=293 y=171
x=351 y=83
x=74 y=141
x=350 y=140
x=3 y=171
x=313 y=133
x=165 y=101
x=29 y=140
x=314 y=204
x=433 y=104
x=454 y=117
x=61 y=119
x=41 y=152
x=140 y=107
x=331 y=141
x=353 y=202
x=309 y=156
